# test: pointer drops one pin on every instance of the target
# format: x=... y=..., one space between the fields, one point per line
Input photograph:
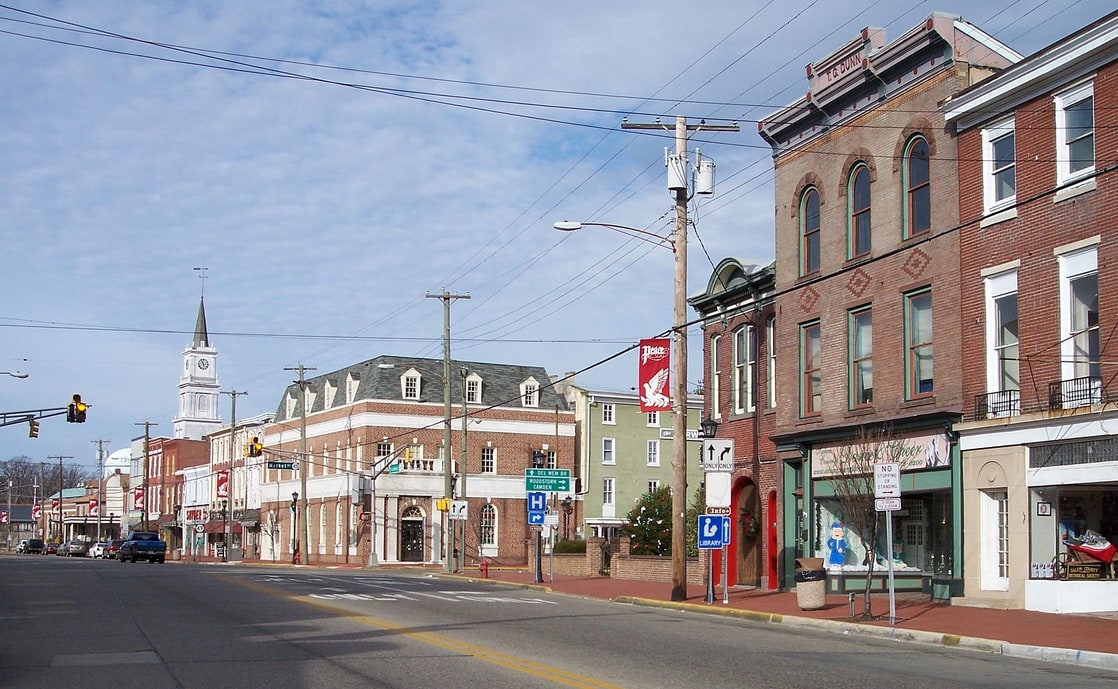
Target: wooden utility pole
x=448 y=480
x=226 y=528
x=61 y=526
x=303 y=528
x=147 y=453
x=679 y=357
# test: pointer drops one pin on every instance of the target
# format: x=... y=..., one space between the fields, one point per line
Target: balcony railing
x=1075 y=392
x=997 y=405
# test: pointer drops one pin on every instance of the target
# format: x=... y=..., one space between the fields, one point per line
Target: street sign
x=537 y=501
x=458 y=510
x=887 y=504
x=887 y=480
x=394 y=468
x=287 y=466
x=536 y=518
x=718 y=489
x=718 y=510
x=712 y=529
x=551 y=518
x=547 y=480
x=718 y=454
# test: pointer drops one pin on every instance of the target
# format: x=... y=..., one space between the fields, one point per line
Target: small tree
x=852 y=479
x=650 y=524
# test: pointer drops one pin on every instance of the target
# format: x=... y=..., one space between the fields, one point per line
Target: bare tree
x=850 y=471
x=25 y=474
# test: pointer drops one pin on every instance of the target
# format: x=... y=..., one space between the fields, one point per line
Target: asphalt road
x=93 y=623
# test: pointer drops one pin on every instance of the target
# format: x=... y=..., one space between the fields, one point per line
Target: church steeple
x=201 y=335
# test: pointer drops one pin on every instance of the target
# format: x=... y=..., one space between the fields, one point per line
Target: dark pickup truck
x=143 y=545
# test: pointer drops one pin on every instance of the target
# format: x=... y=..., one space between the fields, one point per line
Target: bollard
x=852 y=604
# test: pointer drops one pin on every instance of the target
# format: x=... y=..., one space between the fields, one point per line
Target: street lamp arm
x=634 y=232
x=14 y=374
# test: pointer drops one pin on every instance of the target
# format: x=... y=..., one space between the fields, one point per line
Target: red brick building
x=867 y=296
x=1038 y=195
x=740 y=392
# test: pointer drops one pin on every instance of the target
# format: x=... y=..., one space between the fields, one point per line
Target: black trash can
x=811 y=583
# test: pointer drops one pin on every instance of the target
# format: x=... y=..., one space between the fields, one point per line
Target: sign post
x=887 y=497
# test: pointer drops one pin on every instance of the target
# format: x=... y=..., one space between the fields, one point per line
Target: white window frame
x=609 y=497
x=410 y=385
x=487 y=532
x=488 y=460
x=473 y=389
x=998 y=287
x=744 y=363
x=609 y=416
x=653 y=485
x=1075 y=264
x=652 y=453
x=714 y=389
x=351 y=384
x=652 y=420
x=1063 y=101
x=530 y=393
x=990 y=135
x=770 y=372
x=329 y=390
x=609 y=451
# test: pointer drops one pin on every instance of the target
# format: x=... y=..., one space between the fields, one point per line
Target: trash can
x=811 y=583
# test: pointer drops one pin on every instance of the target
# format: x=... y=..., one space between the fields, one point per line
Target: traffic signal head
x=75 y=413
x=255 y=448
x=33 y=430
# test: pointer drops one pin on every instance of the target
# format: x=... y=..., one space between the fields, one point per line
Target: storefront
x=1041 y=500
x=822 y=488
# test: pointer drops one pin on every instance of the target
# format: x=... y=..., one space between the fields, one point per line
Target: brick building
x=376 y=461
x=1038 y=197
x=867 y=296
x=739 y=325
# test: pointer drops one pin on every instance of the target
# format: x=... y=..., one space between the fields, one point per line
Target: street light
x=14 y=374
x=678 y=246
x=708 y=427
x=294 y=530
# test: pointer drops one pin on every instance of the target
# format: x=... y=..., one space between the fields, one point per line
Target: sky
x=318 y=170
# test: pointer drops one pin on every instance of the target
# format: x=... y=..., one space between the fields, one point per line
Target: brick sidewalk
x=1098 y=633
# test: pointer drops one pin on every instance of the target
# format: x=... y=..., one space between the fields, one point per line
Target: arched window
x=488 y=534
x=322 y=529
x=918 y=188
x=809 y=232
x=858 y=203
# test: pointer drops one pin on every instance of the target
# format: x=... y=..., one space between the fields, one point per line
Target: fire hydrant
x=484 y=568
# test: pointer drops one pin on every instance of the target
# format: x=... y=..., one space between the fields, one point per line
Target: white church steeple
x=198 y=387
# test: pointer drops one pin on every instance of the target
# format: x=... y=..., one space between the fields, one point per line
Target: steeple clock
x=198 y=386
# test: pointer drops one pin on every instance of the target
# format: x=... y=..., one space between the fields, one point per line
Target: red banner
x=3 y=516
x=138 y=498
x=653 y=374
x=55 y=505
x=223 y=484
x=94 y=507
x=36 y=511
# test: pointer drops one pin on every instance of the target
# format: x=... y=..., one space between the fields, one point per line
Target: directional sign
x=712 y=531
x=887 y=480
x=458 y=509
x=547 y=480
x=718 y=454
x=536 y=518
x=287 y=466
x=887 y=504
x=537 y=501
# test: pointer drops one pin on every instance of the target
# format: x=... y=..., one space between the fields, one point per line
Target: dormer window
x=330 y=390
x=530 y=393
x=309 y=396
x=410 y=384
x=351 y=383
x=473 y=389
x=289 y=405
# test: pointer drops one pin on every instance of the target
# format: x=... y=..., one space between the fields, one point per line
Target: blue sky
x=329 y=164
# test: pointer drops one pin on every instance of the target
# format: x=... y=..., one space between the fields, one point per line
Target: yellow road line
x=511 y=662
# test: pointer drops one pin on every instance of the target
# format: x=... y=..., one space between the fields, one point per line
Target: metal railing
x=1074 y=392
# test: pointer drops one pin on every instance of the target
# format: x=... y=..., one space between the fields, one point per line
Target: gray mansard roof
x=380 y=379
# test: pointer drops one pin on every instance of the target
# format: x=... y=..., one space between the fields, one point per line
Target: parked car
x=34 y=545
x=143 y=545
x=51 y=548
x=111 y=550
x=98 y=549
x=76 y=548
x=22 y=547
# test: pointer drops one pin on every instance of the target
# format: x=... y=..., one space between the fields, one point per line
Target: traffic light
x=33 y=428
x=75 y=413
x=255 y=448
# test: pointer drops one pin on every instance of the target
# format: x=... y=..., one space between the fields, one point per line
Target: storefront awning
x=217 y=526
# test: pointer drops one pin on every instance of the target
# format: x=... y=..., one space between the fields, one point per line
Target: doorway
x=411 y=535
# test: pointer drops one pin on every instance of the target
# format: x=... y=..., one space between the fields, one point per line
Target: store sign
x=653 y=374
x=930 y=451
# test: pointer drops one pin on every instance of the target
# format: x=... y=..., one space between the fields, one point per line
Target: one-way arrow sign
x=718 y=454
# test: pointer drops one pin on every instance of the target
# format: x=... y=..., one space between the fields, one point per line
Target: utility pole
x=678 y=164
x=147 y=454
x=227 y=527
x=448 y=480
x=303 y=529
x=61 y=526
x=465 y=431
x=100 y=479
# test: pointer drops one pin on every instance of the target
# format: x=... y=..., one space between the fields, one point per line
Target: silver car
x=77 y=549
x=98 y=549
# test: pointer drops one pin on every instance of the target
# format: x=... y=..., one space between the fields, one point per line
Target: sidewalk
x=1087 y=640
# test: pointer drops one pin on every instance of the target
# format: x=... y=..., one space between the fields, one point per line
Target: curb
x=1091 y=659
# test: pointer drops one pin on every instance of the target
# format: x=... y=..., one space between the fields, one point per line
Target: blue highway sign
x=537 y=501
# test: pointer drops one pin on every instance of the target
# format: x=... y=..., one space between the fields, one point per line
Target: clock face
x=203 y=364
